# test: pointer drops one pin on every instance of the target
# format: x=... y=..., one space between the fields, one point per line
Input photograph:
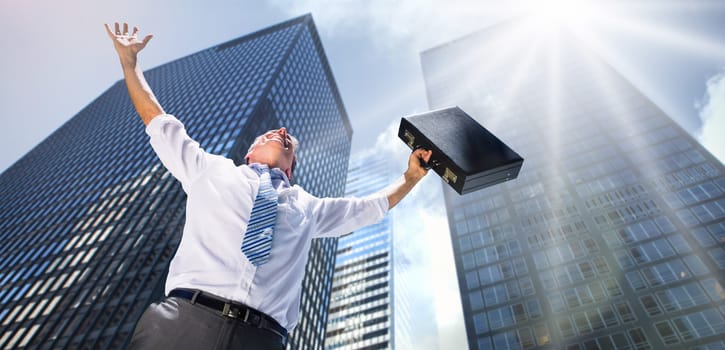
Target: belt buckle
x=233 y=312
x=229 y=312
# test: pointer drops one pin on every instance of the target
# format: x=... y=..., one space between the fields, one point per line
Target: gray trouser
x=177 y=324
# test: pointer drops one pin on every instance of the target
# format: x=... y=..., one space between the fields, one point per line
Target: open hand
x=127 y=45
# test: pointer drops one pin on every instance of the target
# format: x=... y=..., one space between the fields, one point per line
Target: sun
x=554 y=14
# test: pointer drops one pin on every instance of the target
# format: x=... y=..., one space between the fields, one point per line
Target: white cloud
x=712 y=114
x=418 y=24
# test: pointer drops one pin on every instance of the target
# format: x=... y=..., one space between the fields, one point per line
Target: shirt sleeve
x=338 y=216
x=181 y=155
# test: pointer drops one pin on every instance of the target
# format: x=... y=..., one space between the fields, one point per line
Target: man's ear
x=288 y=172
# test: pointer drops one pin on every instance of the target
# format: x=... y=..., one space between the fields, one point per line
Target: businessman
x=235 y=281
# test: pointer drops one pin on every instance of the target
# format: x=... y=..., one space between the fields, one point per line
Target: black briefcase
x=466 y=155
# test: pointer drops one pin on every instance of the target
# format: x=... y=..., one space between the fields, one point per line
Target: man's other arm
x=337 y=216
x=128 y=46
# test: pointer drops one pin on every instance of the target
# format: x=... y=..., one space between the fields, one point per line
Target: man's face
x=274 y=148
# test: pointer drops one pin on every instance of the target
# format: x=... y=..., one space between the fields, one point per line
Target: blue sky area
x=58 y=59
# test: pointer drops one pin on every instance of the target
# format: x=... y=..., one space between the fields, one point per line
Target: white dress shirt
x=220 y=197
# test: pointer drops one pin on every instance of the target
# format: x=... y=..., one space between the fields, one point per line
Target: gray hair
x=295 y=144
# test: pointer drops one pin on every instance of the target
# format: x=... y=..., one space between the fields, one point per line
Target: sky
x=57 y=59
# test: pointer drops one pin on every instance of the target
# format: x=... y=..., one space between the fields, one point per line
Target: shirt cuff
x=156 y=125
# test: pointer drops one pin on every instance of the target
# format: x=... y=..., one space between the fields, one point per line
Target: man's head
x=276 y=149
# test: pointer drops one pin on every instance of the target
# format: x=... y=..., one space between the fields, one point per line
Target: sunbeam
x=635 y=28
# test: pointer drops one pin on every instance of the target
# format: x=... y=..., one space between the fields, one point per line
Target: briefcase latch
x=449 y=176
x=409 y=138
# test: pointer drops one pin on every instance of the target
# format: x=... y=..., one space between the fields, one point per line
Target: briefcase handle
x=424 y=164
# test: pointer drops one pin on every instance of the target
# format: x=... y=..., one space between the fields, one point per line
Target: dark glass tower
x=612 y=236
x=90 y=219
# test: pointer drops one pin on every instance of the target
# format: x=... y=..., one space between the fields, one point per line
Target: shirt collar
x=274 y=174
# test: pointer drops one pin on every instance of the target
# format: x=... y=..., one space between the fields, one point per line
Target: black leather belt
x=234 y=310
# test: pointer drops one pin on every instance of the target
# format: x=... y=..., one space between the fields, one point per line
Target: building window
x=526 y=338
x=718 y=255
x=475 y=300
x=666 y=332
x=479 y=323
x=625 y=312
x=650 y=305
x=700 y=324
x=713 y=289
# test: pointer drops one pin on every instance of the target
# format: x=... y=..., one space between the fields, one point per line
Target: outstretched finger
x=135 y=31
x=117 y=31
x=108 y=30
x=146 y=39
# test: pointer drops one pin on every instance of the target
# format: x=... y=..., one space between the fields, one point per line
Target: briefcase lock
x=409 y=138
x=449 y=176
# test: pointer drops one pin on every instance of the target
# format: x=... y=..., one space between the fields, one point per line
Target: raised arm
x=336 y=216
x=399 y=189
x=128 y=46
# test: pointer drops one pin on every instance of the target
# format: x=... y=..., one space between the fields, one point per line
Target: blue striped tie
x=258 y=239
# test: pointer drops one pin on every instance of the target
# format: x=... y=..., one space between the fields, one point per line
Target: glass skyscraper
x=612 y=236
x=362 y=310
x=90 y=219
